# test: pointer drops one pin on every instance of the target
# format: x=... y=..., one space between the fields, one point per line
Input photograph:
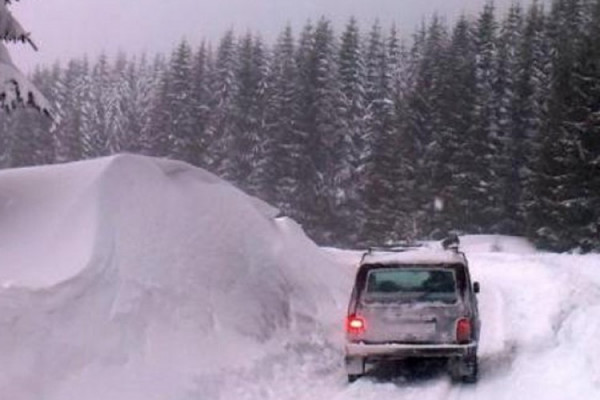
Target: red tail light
x=355 y=324
x=464 y=330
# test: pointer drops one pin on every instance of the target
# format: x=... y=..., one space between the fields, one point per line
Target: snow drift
x=137 y=278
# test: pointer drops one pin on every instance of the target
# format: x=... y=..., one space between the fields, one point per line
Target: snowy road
x=541 y=320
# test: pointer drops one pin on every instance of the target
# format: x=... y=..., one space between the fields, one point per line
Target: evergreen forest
x=490 y=124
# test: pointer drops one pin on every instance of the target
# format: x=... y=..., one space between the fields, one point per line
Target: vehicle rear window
x=411 y=285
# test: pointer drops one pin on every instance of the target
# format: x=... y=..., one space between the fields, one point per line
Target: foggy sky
x=66 y=29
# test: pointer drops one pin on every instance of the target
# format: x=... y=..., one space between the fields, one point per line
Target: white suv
x=413 y=303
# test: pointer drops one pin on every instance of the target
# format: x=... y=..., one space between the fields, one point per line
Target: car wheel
x=353 y=378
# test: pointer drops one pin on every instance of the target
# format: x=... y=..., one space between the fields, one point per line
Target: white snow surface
x=129 y=278
x=138 y=278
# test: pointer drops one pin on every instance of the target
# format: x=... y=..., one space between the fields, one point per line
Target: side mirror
x=476 y=287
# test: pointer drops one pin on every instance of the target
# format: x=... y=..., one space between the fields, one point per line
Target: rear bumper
x=358 y=355
x=398 y=350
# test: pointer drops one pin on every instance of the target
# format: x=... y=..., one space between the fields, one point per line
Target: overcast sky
x=65 y=29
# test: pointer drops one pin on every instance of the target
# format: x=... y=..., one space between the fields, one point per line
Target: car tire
x=353 y=378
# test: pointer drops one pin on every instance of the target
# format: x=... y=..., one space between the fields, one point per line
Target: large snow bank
x=138 y=278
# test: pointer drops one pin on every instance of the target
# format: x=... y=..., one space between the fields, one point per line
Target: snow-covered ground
x=540 y=329
x=131 y=278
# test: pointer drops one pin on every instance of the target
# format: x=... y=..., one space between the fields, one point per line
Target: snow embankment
x=138 y=278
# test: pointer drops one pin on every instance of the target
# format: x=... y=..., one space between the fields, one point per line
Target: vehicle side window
x=461 y=277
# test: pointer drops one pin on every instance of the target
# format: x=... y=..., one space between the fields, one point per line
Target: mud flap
x=463 y=369
x=355 y=365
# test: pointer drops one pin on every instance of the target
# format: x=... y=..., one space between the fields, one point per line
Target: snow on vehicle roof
x=414 y=256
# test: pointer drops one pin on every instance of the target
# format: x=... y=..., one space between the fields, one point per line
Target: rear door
x=410 y=304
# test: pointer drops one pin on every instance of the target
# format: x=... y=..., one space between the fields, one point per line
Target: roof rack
x=395 y=248
x=450 y=243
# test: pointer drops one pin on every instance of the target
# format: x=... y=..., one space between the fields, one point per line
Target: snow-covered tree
x=180 y=103
x=284 y=144
x=483 y=196
x=31 y=143
x=353 y=121
x=452 y=160
x=383 y=183
x=246 y=151
x=137 y=83
x=319 y=122
x=156 y=135
x=427 y=122
x=201 y=97
x=97 y=113
x=72 y=93
x=510 y=156
x=564 y=214
x=15 y=88
x=533 y=93
x=363 y=139
x=224 y=87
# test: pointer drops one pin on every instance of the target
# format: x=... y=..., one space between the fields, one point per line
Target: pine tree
x=283 y=143
x=454 y=158
x=587 y=125
x=118 y=137
x=483 y=200
x=385 y=159
x=319 y=122
x=245 y=146
x=353 y=117
x=72 y=95
x=136 y=91
x=577 y=167
x=533 y=94
x=224 y=87
x=560 y=215
x=180 y=103
x=201 y=71
x=101 y=133
x=262 y=61
x=304 y=127
x=427 y=123
x=157 y=133
x=510 y=157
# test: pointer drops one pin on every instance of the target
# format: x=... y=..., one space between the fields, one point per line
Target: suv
x=413 y=302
